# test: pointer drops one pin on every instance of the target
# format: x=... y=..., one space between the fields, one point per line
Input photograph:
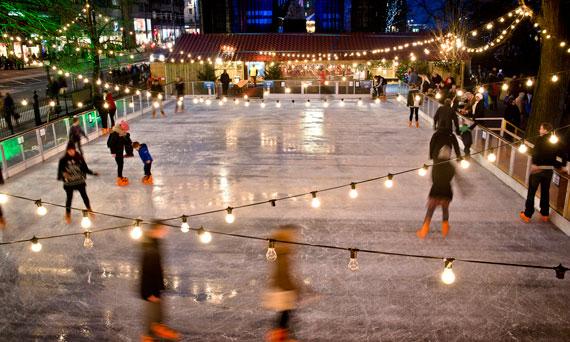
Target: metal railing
x=286 y=87
x=23 y=150
x=508 y=160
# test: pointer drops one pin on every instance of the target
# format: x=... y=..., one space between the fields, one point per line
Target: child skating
x=147 y=161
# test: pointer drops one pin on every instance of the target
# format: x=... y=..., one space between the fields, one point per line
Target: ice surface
x=211 y=157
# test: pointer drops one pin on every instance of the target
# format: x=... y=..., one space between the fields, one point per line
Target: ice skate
x=423 y=232
x=523 y=217
x=122 y=181
x=165 y=332
x=417 y=124
x=444 y=228
x=67 y=218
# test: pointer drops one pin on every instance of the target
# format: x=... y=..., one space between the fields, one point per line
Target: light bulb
x=98 y=82
x=342 y=102
x=423 y=171
x=127 y=90
x=523 y=148
x=315 y=202
x=88 y=242
x=505 y=87
x=156 y=104
x=389 y=182
x=148 y=94
x=553 y=138
x=554 y=78
x=492 y=157
x=86 y=221
x=246 y=103
x=208 y=102
x=41 y=210
x=52 y=103
x=481 y=90
x=460 y=92
x=195 y=101
x=160 y=97
x=184 y=227
x=36 y=245
x=262 y=104
x=204 y=236
x=529 y=83
x=271 y=255
x=105 y=105
x=278 y=104
x=308 y=103
x=353 y=263
x=438 y=96
x=353 y=193
x=230 y=218
x=138 y=92
x=79 y=104
x=447 y=276
x=136 y=232
x=359 y=103
x=24 y=102
x=377 y=101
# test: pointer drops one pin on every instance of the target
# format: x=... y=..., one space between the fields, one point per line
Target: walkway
x=214 y=156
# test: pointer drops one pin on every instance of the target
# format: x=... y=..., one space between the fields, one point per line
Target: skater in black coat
x=120 y=145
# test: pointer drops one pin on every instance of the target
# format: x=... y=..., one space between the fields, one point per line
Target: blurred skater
x=73 y=172
x=283 y=291
x=76 y=133
x=157 y=93
x=120 y=144
x=152 y=285
x=415 y=100
x=441 y=193
x=112 y=110
x=147 y=160
x=179 y=94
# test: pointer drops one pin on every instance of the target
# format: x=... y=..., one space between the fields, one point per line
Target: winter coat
x=9 y=108
x=156 y=89
x=111 y=102
x=75 y=133
x=73 y=170
x=441 y=176
x=445 y=119
x=119 y=142
x=513 y=115
x=411 y=98
x=145 y=154
x=442 y=138
x=225 y=78
x=152 y=276
x=544 y=153
x=478 y=113
x=180 y=89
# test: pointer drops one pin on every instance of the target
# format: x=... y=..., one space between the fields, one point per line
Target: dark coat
x=544 y=153
x=120 y=142
x=225 y=78
x=179 y=88
x=73 y=170
x=75 y=133
x=443 y=138
x=152 y=276
x=441 y=176
x=445 y=119
x=478 y=113
x=411 y=95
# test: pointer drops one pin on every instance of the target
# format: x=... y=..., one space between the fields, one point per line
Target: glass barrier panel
x=519 y=169
x=47 y=136
x=504 y=160
x=90 y=121
x=558 y=188
x=61 y=136
x=30 y=144
x=12 y=151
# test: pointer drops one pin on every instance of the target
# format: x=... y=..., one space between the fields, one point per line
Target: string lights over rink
x=136 y=229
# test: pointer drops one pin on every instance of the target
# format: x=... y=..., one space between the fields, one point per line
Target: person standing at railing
x=112 y=110
x=157 y=93
x=99 y=104
x=544 y=161
x=36 y=105
x=9 y=112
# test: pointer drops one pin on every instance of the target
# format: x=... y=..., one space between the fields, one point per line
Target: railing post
x=512 y=161
x=124 y=108
x=4 y=161
x=527 y=173
x=141 y=104
x=192 y=84
x=40 y=145
x=336 y=87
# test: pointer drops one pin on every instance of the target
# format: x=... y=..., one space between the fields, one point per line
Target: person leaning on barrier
x=544 y=160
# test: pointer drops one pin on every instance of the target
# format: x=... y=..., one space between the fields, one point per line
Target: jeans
x=120 y=162
x=414 y=110
x=542 y=178
x=69 y=192
x=147 y=167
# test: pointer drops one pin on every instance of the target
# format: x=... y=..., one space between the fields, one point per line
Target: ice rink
x=211 y=157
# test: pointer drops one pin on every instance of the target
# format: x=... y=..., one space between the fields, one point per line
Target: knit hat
x=124 y=125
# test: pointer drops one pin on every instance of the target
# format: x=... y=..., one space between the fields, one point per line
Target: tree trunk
x=95 y=45
x=549 y=98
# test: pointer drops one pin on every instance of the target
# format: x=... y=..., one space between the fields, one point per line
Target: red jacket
x=110 y=101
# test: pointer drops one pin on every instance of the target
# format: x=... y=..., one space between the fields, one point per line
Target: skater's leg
x=83 y=193
x=68 y=200
x=120 y=163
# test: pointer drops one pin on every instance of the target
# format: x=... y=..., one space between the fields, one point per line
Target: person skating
x=76 y=133
x=445 y=118
x=441 y=193
x=179 y=95
x=415 y=100
x=152 y=285
x=147 y=160
x=442 y=137
x=9 y=112
x=157 y=93
x=283 y=292
x=99 y=104
x=73 y=170
x=544 y=161
x=120 y=144
x=465 y=134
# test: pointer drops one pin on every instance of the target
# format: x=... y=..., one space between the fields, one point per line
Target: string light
x=460 y=93
x=204 y=236
x=492 y=157
x=88 y=242
x=3 y=199
x=359 y=103
x=554 y=78
x=184 y=227
x=315 y=202
x=353 y=193
x=353 y=262
x=308 y=103
x=136 y=232
x=505 y=87
x=41 y=210
x=230 y=218
x=438 y=96
x=423 y=170
x=24 y=102
x=278 y=104
x=36 y=245
x=86 y=221
x=553 y=138
x=79 y=104
x=447 y=276
x=523 y=148
x=271 y=255
x=529 y=83
x=389 y=183
x=464 y=163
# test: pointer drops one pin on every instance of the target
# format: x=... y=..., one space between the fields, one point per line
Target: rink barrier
x=22 y=151
x=511 y=166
